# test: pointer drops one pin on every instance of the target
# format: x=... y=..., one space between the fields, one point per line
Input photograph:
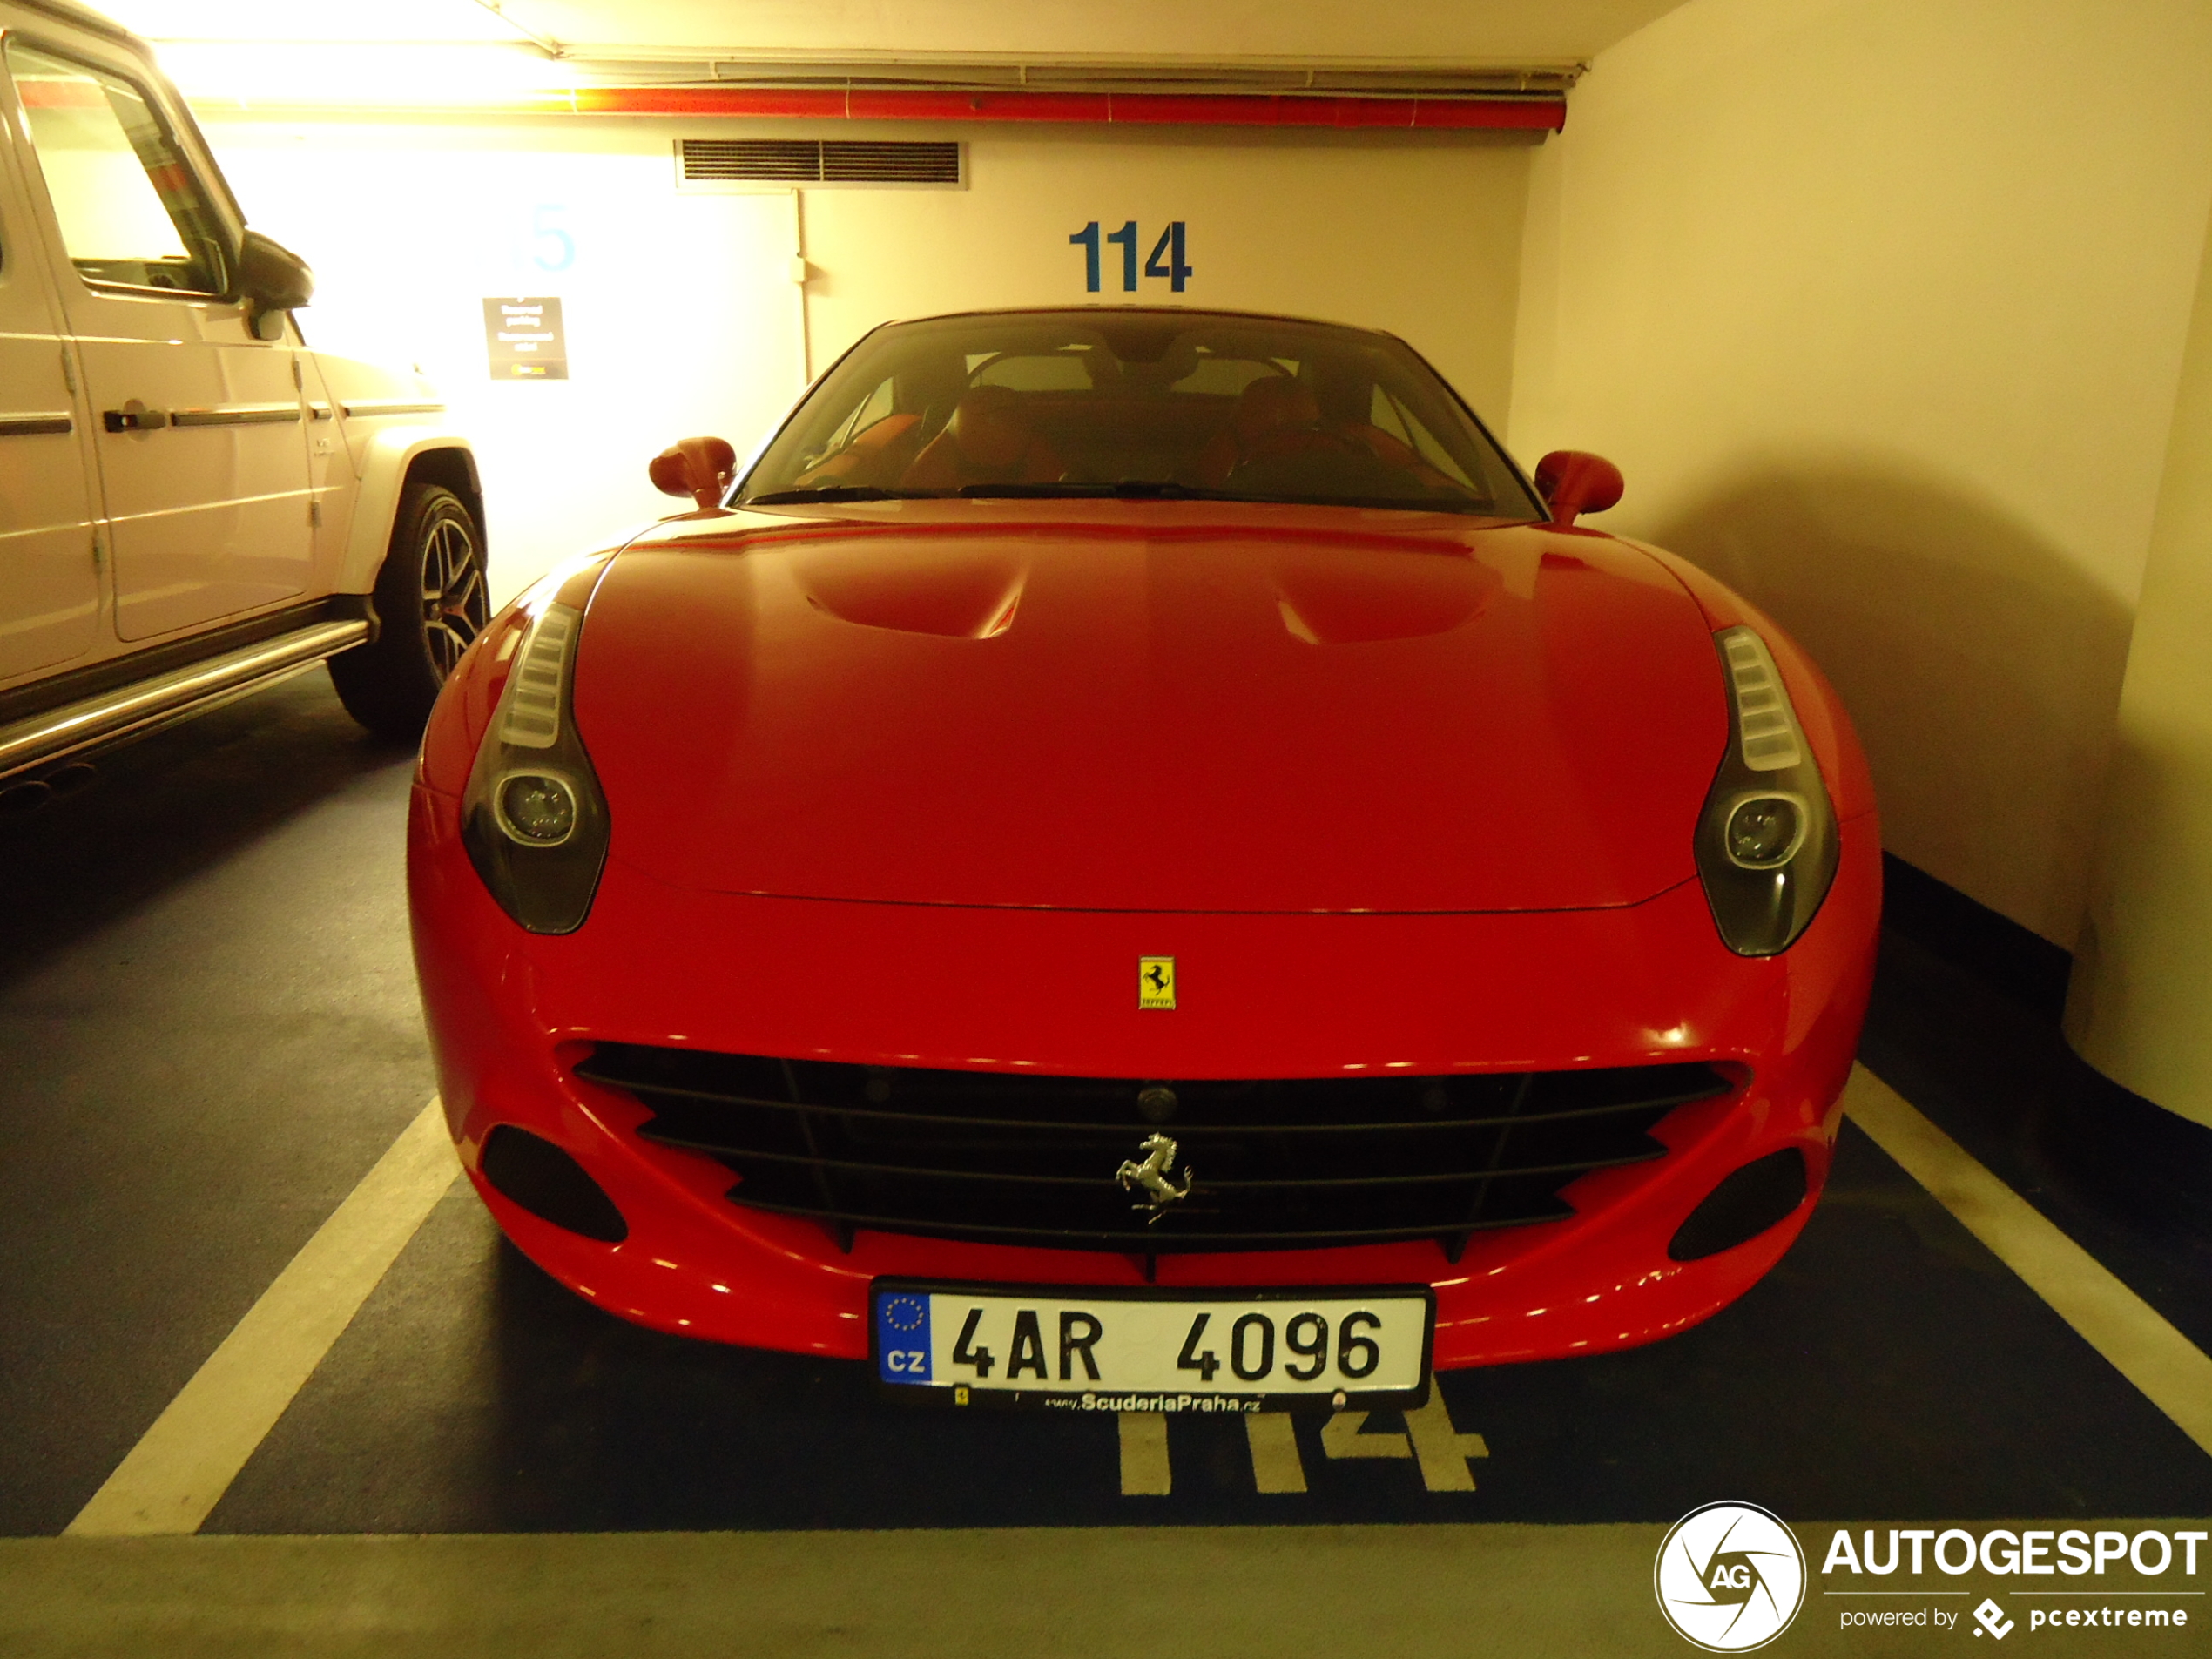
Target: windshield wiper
x=838 y=492
x=1124 y=489
x=1127 y=489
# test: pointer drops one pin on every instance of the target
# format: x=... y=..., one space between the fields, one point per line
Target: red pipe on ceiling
x=1119 y=108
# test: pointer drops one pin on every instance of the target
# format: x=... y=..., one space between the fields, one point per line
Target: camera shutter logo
x=1730 y=1577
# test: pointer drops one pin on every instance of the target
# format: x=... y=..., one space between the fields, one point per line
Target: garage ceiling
x=1497 y=32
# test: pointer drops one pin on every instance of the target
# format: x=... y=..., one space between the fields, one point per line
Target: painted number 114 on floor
x=1167 y=259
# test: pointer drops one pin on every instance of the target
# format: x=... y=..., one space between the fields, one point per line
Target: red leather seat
x=1275 y=415
x=985 y=442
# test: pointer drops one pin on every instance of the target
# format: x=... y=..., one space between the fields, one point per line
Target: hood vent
x=709 y=163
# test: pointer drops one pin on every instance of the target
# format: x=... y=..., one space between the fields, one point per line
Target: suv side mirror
x=700 y=467
x=272 y=279
x=1574 y=481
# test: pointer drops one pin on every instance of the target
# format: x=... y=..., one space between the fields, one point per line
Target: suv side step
x=132 y=711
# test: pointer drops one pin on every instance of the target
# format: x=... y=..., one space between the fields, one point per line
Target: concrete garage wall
x=1421 y=237
x=679 y=308
x=2140 y=1005
x=1880 y=305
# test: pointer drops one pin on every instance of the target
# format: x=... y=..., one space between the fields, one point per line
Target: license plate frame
x=1224 y=1392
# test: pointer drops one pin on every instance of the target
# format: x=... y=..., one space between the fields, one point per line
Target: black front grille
x=1008 y=1157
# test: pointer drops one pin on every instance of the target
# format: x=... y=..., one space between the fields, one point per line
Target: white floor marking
x=1273 y=1440
x=1144 y=1455
x=2174 y=1375
x=1442 y=1449
x=1430 y=1436
x=175 y=1475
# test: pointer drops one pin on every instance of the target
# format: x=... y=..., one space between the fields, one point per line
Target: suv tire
x=431 y=603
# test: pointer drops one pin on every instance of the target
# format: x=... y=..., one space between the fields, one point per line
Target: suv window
x=131 y=214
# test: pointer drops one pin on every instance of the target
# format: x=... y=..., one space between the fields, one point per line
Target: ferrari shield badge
x=1155 y=982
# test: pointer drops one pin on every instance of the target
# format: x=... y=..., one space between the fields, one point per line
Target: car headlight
x=532 y=818
x=1766 y=840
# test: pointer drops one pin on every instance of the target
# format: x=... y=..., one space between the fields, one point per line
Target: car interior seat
x=1275 y=415
x=986 y=441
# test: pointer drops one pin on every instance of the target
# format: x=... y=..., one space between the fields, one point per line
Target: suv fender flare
x=388 y=459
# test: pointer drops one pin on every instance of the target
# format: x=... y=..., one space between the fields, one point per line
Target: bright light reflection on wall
x=364 y=76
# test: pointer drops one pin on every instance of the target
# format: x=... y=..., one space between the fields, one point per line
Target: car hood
x=1151 y=706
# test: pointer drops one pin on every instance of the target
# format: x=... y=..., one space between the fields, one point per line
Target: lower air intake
x=537 y=1174
x=1747 y=1203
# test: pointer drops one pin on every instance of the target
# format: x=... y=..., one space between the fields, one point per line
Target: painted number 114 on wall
x=1167 y=259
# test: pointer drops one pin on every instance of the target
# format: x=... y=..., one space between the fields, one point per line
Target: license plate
x=1081 y=1348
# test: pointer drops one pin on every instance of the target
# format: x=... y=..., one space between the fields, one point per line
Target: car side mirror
x=700 y=467
x=272 y=279
x=1575 y=481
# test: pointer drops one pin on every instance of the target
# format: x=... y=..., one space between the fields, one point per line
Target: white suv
x=192 y=502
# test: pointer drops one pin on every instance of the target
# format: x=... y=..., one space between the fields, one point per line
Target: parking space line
x=1273 y=1440
x=178 y=1472
x=2173 y=1374
x=1145 y=1472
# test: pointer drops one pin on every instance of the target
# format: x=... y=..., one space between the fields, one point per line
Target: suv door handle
x=134 y=416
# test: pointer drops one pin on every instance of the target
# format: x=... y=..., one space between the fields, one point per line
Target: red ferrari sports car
x=1132 y=857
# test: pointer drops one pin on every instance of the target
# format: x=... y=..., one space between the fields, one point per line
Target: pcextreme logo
x=1730 y=1577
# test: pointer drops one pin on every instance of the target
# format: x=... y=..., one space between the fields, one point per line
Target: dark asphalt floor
x=208 y=1023
x=208 y=1032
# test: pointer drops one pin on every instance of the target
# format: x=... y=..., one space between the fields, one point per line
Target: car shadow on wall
x=1982 y=663
x=175 y=803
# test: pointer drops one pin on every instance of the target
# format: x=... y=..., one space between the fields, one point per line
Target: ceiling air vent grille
x=709 y=162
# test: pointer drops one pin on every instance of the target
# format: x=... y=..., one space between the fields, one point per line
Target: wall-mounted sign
x=525 y=340
x=1167 y=259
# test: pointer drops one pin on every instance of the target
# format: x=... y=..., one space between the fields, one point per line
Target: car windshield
x=1144 y=405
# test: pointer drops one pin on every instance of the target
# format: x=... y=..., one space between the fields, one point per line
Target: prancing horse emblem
x=1156 y=1176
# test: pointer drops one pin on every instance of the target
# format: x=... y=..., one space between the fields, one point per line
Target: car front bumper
x=1053 y=992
